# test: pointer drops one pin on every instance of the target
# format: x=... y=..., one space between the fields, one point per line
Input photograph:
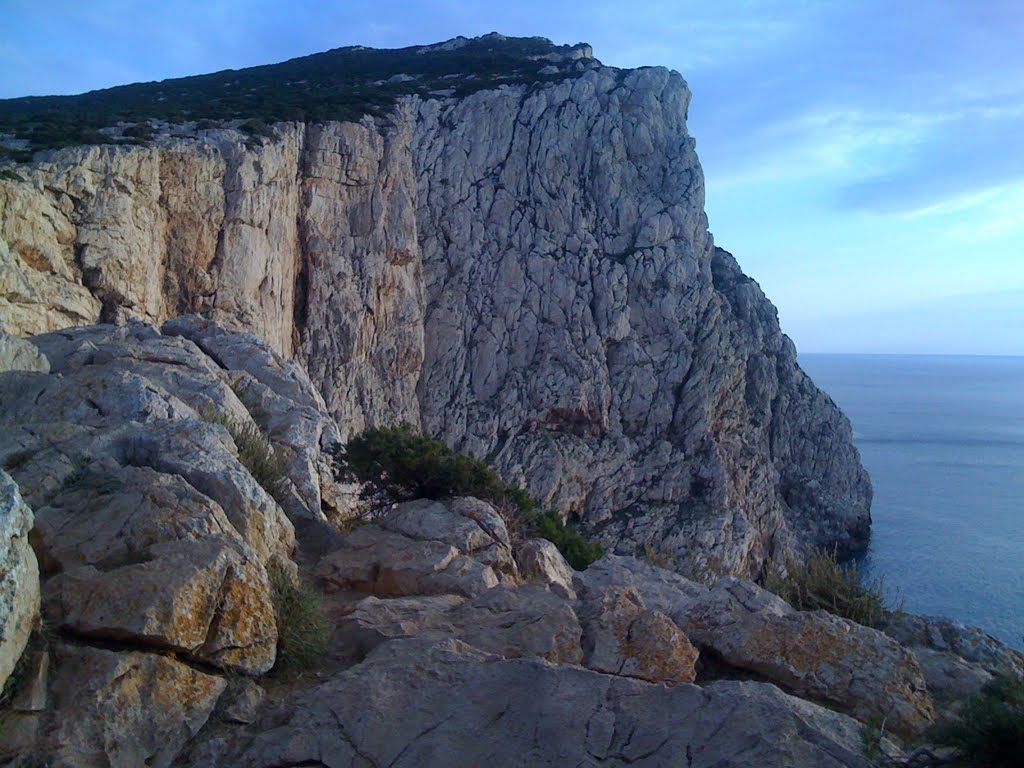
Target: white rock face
x=526 y=272
x=19 y=577
x=20 y=355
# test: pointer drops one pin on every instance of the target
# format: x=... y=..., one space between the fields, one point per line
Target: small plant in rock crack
x=303 y=631
x=265 y=462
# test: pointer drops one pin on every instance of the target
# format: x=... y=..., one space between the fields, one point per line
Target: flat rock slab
x=417 y=703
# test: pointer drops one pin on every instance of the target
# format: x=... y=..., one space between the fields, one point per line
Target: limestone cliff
x=525 y=271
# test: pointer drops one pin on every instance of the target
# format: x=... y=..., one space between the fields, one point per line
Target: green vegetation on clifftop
x=340 y=84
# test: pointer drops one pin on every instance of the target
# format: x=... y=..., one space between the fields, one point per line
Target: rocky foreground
x=149 y=586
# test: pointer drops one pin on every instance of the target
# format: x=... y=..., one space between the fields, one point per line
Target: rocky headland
x=521 y=267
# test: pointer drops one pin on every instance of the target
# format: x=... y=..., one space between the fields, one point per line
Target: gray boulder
x=442 y=703
x=19 y=577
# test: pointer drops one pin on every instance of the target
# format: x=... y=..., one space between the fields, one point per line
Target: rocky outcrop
x=19 y=355
x=525 y=271
x=153 y=535
x=423 y=548
x=127 y=709
x=814 y=655
x=451 y=644
x=418 y=702
x=19 y=577
x=623 y=637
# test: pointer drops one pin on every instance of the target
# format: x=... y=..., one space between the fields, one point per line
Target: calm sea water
x=943 y=439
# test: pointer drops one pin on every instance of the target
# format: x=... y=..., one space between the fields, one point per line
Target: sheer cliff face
x=526 y=272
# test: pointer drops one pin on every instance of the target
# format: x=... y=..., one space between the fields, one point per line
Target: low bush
x=144 y=132
x=578 y=551
x=990 y=730
x=303 y=631
x=399 y=464
x=822 y=582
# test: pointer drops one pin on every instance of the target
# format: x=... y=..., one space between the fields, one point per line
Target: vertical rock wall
x=524 y=271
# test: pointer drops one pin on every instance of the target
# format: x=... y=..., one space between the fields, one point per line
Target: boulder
x=539 y=560
x=113 y=515
x=471 y=526
x=971 y=644
x=622 y=637
x=387 y=564
x=208 y=599
x=19 y=577
x=950 y=679
x=815 y=655
x=125 y=710
x=241 y=702
x=423 y=547
x=661 y=590
x=511 y=622
x=420 y=702
x=855 y=669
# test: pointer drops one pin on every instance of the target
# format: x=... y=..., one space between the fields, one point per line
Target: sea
x=943 y=440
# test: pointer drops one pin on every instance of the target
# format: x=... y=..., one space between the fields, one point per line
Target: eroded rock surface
x=19 y=577
x=815 y=655
x=154 y=539
x=526 y=272
x=420 y=702
x=127 y=709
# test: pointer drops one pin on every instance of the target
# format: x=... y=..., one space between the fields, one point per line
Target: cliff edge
x=519 y=263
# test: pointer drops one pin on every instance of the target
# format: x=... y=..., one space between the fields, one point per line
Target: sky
x=864 y=159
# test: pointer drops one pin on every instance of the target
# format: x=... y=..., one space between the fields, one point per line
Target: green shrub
x=990 y=730
x=399 y=464
x=341 y=84
x=142 y=131
x=303 y=631
x=822 y=582
x=264 y=461
x=8 y=175
x=577 y=550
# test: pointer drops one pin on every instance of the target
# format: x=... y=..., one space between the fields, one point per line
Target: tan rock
x=472 y=526
x=125 y=710
x=622 y=637
x=539 y=560
x=512 y=622
x=20 y=355
x=209 y=599
x=392 y=565
x=114 y=515
x=813 y=654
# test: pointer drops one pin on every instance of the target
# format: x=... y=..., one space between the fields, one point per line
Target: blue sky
x=864 y=159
